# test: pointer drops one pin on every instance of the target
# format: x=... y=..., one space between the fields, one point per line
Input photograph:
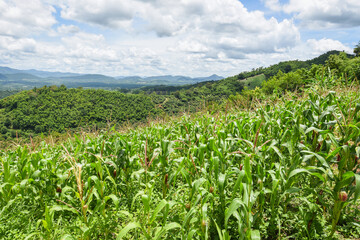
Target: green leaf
x=114 y=198
x=140 y=193
x=125 y=230
x=297 y=171
x=357 y=187
x=255 y=235
x=293 y=190
x=315 y=129
x=247 y=167
x=67 y=237
x=158 y=208
x=188 y=216
x=320 y=158
x=167 y=228
x=191 y=234
x=58 y=208
x=31 y=235
x=219 y=231
x=333 y=154
x=196 y=185
x=301 y=170
x=278 y=152
x=235 y=204
x=221 y=182
x=346 y=180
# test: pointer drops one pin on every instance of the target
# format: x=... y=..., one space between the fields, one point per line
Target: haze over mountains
x=11 y=78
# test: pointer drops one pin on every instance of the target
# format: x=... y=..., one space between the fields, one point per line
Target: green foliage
x=211 y=90
x=56 y=109
x=357 y=49
x=288 y=66
x=6 y=93
x=342 y=66
x=4 y=130
x=289 y=168
x=284 y=81
x=253 y=82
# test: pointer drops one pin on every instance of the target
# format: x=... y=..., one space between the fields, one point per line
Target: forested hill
x=289 y=66
x=6 y=93
x=57 y=108
x=251 y=79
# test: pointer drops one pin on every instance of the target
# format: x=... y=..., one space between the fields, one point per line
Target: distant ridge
x=11 y=78
x=37 y=73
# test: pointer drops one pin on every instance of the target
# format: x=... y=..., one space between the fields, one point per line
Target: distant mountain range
x=11 y=78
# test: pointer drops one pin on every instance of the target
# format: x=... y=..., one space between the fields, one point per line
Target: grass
x=285 y=168
x=253 y=82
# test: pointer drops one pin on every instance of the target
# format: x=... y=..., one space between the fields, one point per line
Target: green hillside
x=6 y=93
x=284 y=166
x=289 y=66
x=249 y=79
x=58 y=108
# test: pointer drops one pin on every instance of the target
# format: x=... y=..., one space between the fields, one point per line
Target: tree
x=7 y=123
x=357 y=49
x=4 y=130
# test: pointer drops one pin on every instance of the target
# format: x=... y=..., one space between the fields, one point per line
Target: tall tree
x=357 y=49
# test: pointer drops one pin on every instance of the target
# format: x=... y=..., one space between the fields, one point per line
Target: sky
x=171 y=37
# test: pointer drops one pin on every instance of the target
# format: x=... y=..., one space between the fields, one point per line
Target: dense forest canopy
x=57 y=108
x=6 y=93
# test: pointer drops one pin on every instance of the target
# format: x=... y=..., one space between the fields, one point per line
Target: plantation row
x=286 y=169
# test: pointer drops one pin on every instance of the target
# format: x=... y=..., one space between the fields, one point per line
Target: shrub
x=4 y=130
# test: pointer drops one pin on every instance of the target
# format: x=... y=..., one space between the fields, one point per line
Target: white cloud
x=26 y=45
x=210 y=34
x=25 y=17
x=68 y=29
x=109 y=13
x=273 y=4
x=190 y=46
x=303 y=51
x=154 y=37
x=325 y=45
x=320 y=14
x=193 y=17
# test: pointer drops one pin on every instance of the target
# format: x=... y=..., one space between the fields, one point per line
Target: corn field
x=288 y=168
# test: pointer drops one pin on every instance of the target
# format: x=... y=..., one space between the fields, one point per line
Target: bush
x=39 y=129
x=4 y=130
x=13 y=133
x=283 y=81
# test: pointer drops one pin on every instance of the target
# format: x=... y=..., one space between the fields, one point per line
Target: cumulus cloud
x=20 y=18
x=211 y=19
x=108 y=13
x=303 y=51
x=26 y=45
x=190 y=46
x=318 y=14
x=154 y=37
x=325 y=45
x=68 y=29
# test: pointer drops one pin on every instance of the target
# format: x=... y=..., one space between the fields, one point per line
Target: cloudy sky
x=178 y=37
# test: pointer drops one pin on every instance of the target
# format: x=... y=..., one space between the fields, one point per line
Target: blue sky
x=177 y=37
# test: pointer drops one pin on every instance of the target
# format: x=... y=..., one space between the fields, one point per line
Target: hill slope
x=40 y=110
x=287 y=168
x=52 y=108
